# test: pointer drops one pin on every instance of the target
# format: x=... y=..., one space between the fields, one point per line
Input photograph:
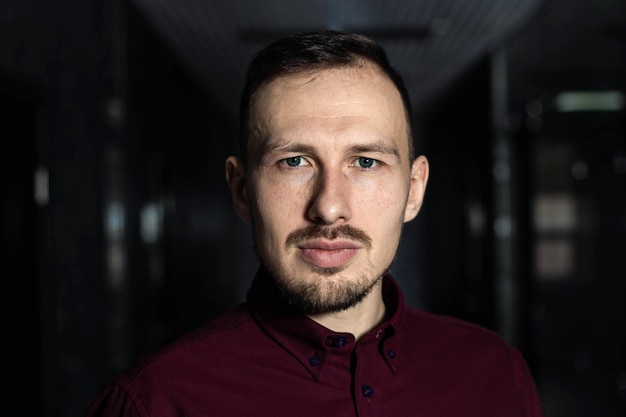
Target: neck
x=359 y=319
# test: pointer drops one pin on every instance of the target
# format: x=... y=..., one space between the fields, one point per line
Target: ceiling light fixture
x=586 y=101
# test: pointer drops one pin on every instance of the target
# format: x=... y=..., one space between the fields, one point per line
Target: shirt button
x=339 y=342
x=391 y=353
x=314 y=361
x=367 y=391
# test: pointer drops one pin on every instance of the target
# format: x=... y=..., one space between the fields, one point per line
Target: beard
x=330 y=292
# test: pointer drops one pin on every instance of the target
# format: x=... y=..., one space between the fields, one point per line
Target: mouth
x=325 y=254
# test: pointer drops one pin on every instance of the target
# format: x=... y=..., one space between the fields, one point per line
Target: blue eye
x=294 y=161
x=363 y=162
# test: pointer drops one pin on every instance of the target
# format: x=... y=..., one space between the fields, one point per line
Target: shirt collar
x=311 y=343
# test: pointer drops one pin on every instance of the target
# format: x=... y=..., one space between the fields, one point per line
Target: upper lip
x=329 y=244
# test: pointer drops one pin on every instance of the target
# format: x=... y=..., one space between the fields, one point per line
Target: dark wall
x=24 y=233
x=63 y=53
x=458 y=140
x=137 y=242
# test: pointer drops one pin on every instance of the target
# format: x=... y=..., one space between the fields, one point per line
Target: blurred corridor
x=117 y=228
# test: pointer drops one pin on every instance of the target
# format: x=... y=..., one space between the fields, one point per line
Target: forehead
x=361 y=98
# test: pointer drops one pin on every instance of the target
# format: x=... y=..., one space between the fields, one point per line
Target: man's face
x=329 y=183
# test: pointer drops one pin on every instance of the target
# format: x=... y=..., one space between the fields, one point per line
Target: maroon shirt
x=266 y=359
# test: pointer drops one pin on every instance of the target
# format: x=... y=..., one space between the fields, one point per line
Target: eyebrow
x=269 y=147
x=295 y=147
x=376 y=147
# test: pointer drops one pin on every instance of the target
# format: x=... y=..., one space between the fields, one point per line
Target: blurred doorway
x=578 y=315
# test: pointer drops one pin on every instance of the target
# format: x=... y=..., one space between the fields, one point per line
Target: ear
x=419 y=178
x=236 y=179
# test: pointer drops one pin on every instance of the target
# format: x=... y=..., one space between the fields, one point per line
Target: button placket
x=367 y=365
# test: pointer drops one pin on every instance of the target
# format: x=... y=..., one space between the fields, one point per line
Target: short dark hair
x=311 y=51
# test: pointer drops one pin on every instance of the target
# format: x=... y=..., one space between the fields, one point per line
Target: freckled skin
x=330 y=150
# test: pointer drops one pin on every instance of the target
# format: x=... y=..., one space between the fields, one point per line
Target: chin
x=325 y=294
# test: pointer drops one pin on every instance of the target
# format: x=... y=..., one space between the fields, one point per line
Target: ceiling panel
x=429 y=42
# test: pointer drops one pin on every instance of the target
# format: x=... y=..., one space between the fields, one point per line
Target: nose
x=330 y=202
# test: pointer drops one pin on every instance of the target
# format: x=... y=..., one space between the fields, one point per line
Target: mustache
x=315 y=231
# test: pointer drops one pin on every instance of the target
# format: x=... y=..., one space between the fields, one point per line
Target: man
x=327 y=178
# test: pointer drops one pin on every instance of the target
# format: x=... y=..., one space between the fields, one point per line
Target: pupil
x=293 y=162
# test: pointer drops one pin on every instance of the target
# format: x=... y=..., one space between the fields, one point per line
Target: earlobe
x=236 y=179
x=419 y=179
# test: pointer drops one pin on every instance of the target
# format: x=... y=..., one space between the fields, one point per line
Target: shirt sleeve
x=115 y=401
x=531 y=401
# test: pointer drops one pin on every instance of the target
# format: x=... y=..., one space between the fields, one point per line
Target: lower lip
x=328 y=258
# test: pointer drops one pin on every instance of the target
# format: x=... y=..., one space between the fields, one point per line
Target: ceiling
x=570 y=45
x=430 y=42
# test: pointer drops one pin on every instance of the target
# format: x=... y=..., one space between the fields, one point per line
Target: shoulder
x=475 y=365
x=152 y=384
x=444 y=326
x=450 y=346
x=197 y=351
x=451 y=336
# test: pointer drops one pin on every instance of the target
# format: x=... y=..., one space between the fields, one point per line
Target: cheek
x=278 y=209
x=278 y=199
x=382 y=213
x=384 y=199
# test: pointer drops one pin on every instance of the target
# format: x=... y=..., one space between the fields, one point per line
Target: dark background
x=117 y=229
